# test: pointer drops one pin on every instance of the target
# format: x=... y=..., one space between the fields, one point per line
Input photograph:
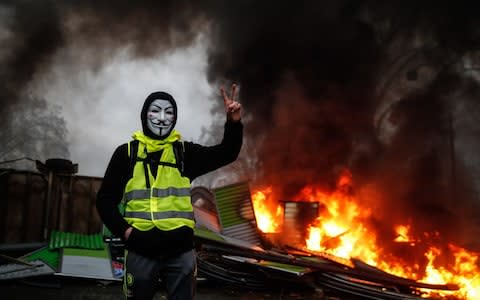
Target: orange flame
x=266 y=213
x=342 y=230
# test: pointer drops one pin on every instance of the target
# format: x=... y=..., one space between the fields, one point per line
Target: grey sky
x=102 y=108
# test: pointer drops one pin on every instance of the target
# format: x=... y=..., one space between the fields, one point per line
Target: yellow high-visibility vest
x=167 y=203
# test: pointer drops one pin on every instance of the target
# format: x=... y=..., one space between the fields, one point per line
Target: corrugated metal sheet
x=204 y=208
x=297 y=217
x=75 y=240
x=235 y=212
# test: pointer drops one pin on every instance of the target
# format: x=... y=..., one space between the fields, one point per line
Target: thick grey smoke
x=371 y=86
x=378 y=88
x=30 y=33
x=34 y=34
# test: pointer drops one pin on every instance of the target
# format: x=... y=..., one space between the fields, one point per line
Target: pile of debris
x=234 y=251
x=231 y=250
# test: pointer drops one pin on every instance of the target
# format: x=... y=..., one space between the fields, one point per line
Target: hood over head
x=159 y=115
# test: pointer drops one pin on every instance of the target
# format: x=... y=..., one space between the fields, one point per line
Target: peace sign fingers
x=232 y=107
x=226 y=98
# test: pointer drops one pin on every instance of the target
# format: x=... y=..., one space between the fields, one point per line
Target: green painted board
x=60 y=239
x=236 y=214
x=48 y=256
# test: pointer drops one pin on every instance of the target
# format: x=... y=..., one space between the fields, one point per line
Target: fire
x=464 y=271
x=403 y=234
x=342 y=229
x=266 y=212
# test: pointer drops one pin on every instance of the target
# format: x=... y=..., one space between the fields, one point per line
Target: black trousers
x=142 y=274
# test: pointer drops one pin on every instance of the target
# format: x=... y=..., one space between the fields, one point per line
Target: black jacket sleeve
x=200 y=160
x=111 y=191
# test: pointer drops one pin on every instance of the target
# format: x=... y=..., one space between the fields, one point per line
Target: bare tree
x=32 y=129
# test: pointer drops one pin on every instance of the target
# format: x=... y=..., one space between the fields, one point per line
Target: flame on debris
x=342 y=229
x=403 y=234
x=267 y=213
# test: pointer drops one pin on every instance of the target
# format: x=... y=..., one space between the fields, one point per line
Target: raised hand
x=232 y=107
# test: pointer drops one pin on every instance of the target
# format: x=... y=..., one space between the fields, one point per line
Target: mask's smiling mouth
x=160 y=124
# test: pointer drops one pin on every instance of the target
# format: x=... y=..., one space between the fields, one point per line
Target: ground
x=60 y=288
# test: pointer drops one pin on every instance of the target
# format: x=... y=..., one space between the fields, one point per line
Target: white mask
x=161 y=117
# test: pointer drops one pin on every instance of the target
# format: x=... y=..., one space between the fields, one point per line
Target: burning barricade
x=325 y=239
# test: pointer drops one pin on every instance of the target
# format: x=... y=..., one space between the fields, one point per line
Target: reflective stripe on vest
x=160 y=215
x=145 y=194
x=166 y=204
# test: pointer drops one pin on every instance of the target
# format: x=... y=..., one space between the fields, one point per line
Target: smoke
x=28 y=40
x=37 y=133
x=34 y=32
x=39 y=38
x=370 y=86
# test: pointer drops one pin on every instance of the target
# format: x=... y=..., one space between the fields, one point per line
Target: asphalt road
x=80 y=289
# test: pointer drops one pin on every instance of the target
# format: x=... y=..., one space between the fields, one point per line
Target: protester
x=145 y=196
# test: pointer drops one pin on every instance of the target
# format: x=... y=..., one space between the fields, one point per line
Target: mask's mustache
x=161 y=124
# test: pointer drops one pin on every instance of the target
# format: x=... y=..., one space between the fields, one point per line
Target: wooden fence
x=33 y=204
